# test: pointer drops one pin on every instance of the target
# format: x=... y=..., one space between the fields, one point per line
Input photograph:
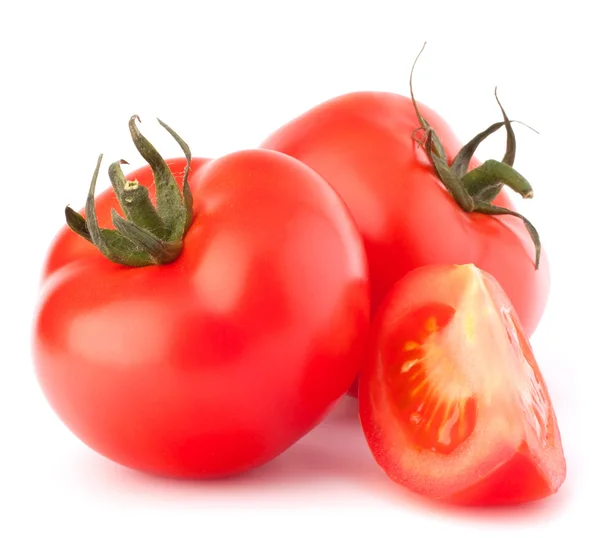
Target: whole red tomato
x=452 y=401
x=364 y=145
x=219 y=348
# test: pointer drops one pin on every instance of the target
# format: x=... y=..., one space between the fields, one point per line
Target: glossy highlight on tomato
x=218 y=361
x=452 y=401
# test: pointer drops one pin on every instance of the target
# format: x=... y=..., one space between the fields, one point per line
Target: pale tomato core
x=432 y=401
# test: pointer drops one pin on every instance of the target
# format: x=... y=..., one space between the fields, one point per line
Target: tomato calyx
x=146 y=235
x=475 y=190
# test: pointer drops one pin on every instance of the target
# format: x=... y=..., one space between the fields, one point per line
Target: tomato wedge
x=452 y=402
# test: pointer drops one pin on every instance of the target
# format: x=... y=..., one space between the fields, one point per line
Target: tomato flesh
x=422 y=383
x=452 y=401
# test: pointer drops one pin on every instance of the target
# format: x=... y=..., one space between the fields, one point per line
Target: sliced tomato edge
x=552 y=467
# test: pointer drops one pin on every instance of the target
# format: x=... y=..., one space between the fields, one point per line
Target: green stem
x=135 y=201
x=486 y=181
x=473 y=191
x=488 y=209
x=147 y=235
x=168 y=198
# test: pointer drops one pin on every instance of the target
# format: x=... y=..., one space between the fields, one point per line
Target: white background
x=224 y=75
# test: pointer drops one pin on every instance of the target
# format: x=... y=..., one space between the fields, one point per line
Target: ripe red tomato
x=452 y=402
x=362 y=144
x=218 y=361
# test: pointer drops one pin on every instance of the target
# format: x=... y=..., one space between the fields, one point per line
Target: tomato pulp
x=452 y=401
x=218 y=361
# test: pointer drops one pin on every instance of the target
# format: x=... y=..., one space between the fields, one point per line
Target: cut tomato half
x=452 y=402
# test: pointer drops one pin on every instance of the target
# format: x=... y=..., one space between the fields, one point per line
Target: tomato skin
x=215 y=363
x=362 y=144
x=503 y=460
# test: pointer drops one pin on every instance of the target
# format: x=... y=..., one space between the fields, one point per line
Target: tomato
x=452 y=402
x=363 y=145
x=217 y=361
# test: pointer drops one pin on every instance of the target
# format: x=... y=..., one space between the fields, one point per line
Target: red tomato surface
x=219 y=361
x=362 y=144
x=452 y=401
